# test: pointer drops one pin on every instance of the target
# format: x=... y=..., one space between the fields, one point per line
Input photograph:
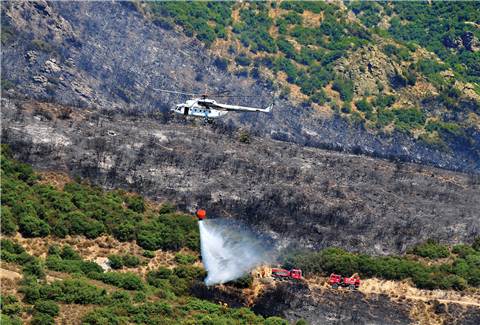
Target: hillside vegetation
x=132 y=293
x=443 y=268
x=38 y=210
x=411 y=67
x=161 y=297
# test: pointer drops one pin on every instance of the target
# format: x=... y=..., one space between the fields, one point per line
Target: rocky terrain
x=301 y=196
x=89 y=54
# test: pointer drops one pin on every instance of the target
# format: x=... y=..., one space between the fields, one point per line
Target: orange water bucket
x=201 y=214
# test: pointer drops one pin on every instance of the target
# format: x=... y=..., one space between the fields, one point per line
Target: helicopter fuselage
x=192 y=108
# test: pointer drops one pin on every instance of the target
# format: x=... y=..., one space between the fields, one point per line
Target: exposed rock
x=366 y=67
x=470 y=42
x=40 y=79
x=51 y=66
x=31 y=56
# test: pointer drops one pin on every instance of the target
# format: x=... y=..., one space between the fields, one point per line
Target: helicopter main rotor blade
x=175 y=92
x=235 y=96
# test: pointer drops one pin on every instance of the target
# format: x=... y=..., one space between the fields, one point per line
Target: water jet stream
x=230 y=250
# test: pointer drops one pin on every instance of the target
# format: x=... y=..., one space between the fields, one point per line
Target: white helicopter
x=209 y=109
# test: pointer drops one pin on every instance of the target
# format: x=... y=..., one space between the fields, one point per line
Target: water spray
x=229 y=249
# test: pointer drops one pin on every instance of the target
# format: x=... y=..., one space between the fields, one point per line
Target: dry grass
x=295 y=93
x=72 y=314
x=99 y=249
x=407 y=290
x=56 y=179
x=311 y=19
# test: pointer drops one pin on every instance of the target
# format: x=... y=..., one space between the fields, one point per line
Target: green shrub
x=476 y=244
x=34 y=268
x=169 y=231
x=130 y=260
x=345 y=88
x=148 y=254
x=136 y=203
x=115 y=261
x=463 y=250
x=47 y=307
x=364 y=106
x=72 y=291
x=408 y=119
x=128 y=280
x=167 y=208
x=462 y=273
x=7 y=221
x=55 y=263
x=243 y=60
x=275 y=321
x=154 y=277
x=444 y=128
x=32 y=226
x=68 y=253
x=185 y=259
x=42 y=319
x=244 y=137
x=103 y=316
x=287 y=48
x=10 y=305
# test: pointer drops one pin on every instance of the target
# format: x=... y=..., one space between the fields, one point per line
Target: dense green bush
x=46 y=307
x=128 y=280
x=430 y=249
x=7 y=221
x=185 y=259
x=42 y=319
x=86 y=210
x=127 y=260
x=408 y=119
x=433 y=27
x=34 y=268
x=169 y=231
x=115 y=261
x=205 y=20
x=69 y=291
x=344 y=87
x=462 y=273
x=155 y=278
x=9 y=305
x=243 y=60
x=32 y=226
x=179 y=280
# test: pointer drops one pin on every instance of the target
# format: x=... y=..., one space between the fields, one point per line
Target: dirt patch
x=311 y=19
x=98 y=249
x=403 y=289
x=9 y=275
x=56 y=179
x=72 y=314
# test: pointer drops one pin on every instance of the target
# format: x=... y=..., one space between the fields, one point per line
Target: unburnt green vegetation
x=276 y=37
x=459 y=272
x=161 y=297
x=37 y=210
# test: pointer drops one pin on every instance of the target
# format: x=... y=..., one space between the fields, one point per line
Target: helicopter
x=209 y=109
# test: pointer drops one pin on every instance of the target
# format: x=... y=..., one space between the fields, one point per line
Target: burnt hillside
x=302 y=196
x=105 y=55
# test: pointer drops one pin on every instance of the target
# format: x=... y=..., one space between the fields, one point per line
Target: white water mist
x=229 y=250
